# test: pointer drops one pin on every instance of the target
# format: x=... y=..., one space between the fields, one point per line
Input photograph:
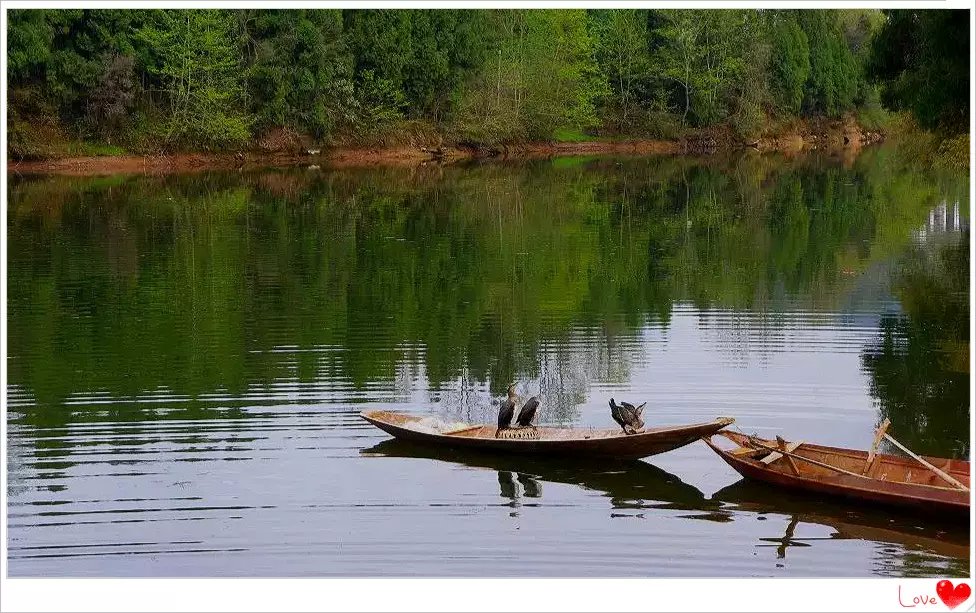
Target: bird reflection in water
x=530 y=488
x=631 y=487
x=506 y=482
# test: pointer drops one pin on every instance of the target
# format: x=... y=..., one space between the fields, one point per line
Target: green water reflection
x=185 y=286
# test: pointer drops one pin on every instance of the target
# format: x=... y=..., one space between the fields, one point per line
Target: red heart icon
x=952 y=596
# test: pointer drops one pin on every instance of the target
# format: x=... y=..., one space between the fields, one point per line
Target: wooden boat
x=549 y=440
x=866 y=476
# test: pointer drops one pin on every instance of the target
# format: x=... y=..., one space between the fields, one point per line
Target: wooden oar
x=853 y=474
x=811 y=461
x=782 y=447
x=937 y=471
x=460 y=430
x=874 y=446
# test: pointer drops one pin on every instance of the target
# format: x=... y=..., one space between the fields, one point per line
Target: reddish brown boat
x=876 y=478
x=579 y=442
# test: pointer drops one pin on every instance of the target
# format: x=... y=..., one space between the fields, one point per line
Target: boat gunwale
x=608 y=433
x=857 y=454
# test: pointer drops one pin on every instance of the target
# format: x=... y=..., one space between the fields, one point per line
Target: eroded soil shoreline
x=839 y=136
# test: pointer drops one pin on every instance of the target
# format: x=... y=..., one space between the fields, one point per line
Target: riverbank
x=842 y=136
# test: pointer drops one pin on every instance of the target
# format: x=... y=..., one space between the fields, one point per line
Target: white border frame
x=699 y=594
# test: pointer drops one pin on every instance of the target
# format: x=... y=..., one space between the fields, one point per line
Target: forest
x=95 y=81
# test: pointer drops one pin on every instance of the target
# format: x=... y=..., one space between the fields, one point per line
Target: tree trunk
x=684 y=118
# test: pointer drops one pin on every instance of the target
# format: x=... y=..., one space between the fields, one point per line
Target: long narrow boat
x=579 y=442
x=876 y=478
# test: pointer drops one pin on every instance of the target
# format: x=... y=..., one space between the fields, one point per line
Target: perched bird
x=635 y=411
x=527 y=413
x=634 y=415
x=507 y=410
x=617 y=412
x=627 y=415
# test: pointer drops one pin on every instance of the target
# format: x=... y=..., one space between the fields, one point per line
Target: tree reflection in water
x=919 y=366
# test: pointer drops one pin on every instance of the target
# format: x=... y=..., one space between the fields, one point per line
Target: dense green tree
x=113 y=96
x=218 y=78
x=67 y=53
x=680 y=57
x=791 y=62
x=622 y=54
x=921 y=58
x=704 y=53
x=300 y=72
x=560 y=77
x=447 y=46
x=424 y=54
x=832 y=84
x=195 y=57
x=30 y=36
x=544 y=79
x=726 y=36
x=380 y=41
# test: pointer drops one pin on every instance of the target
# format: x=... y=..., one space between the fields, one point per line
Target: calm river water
x=188 y=356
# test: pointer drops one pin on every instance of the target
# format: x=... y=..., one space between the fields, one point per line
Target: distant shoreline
x=830 y=135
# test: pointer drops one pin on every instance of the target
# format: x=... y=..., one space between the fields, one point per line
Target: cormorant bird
x=507 y=410
x=627 y=415
x=617 y=412
x=637 y=411
x=527 y=414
